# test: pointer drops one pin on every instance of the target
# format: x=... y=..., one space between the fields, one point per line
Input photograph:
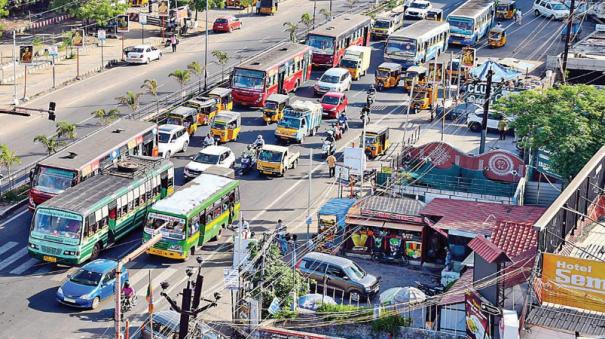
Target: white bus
x=417 y=43
x=387 y=22
x=470 y=22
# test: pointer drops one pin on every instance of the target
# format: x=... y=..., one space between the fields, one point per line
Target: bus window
x=217 y=209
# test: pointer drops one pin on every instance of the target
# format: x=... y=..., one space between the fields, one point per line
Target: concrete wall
x=429 y=194
x=355 y=331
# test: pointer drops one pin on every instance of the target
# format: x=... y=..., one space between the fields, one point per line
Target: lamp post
x=206 y=50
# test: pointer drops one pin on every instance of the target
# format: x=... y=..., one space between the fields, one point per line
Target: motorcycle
x=370 y=98
x=393 y=253
x=328 y=148
x=430 y=290
x=365 y=116
x=247 y=162
x=336 y=132
x=126 y=304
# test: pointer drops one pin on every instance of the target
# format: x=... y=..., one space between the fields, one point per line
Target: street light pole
x=568 y=39
x=15 y=99
x=308 y=221
x=488 y=93
x=314 y=9
x=206 y=51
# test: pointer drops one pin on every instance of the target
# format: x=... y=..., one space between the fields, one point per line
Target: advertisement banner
x=26 y=54
x=77 y=39
x=573 y=282
x=163 y=8
x=468 y=57
x=477 y=324
x=123 y=23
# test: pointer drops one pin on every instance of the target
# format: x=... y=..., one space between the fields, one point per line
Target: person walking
x=173 y=42
x=518 y=17
x=502 y=125
x=331 y=160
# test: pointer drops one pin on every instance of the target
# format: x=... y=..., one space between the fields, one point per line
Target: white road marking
x=13 y=218
x=25 y=266
x=7 y=247
x=14 y=257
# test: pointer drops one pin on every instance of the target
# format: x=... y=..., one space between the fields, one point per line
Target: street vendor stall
x=331 y=224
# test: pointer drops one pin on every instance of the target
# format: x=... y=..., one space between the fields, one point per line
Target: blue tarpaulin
x=501 y=73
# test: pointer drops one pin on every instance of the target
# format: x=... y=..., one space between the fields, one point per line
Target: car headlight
x=87 y=296
x=60 y=291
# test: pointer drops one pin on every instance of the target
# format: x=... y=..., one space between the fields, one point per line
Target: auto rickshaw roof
x=183 y=111
x=496 y=30
x=228 y=116
x=275 y=148
x=506 y=2
x=202 y=102
x=375 y=129
x=417 y=69
x=279 y=98
x=391 y=66
x=220 y=91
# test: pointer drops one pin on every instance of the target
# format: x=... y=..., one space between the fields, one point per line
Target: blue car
x=91 y=284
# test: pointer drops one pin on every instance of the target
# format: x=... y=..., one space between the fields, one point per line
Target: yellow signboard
x=573 y=282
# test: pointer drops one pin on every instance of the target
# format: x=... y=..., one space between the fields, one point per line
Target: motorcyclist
x=128 y=293
x=259 y=142
x=342 y=120
x=330 y=137
x=365 y=114
x=208 y=140
x=372 y=90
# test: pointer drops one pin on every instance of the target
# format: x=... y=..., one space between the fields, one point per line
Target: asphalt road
x=28 y=287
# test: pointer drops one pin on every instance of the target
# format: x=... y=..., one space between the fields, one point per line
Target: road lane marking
x=14 y=257
x=25 y=266
x=7 y=247
x=13 y=218
x=166 y=273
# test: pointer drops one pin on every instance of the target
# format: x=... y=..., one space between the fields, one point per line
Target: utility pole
x=568 y=39
x=314 y=11
x=407 y=114
x=330 y=11
x=308 y=221
x=294 y=290
x=206 y=51
x=262 y=279
x=363 y=153
x=488 y=93
x=447 y=93
x=15 y=99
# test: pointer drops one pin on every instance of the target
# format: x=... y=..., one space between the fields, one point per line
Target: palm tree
x=307 y=20
x=131 y=99
x=51 y=144
x=197 y=69
x=107 y=117
x=151 y=87
x=325 y=13
x=8 y=158
x=291 y=28
x=222 y=58
x=66 y=129
x=182 y=76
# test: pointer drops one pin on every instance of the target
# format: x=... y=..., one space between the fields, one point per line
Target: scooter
x=126 y=304
x=247 y=162
x=328 y=148
x=430 y=290
x=342 y=122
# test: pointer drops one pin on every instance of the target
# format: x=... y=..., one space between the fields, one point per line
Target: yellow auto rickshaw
x=388 y=75
x=506 y=9
x=274 y=107
x=424 y=96
x=496 y=37
x=206 y=107
x=184 y=116
x=416 y=75
x=226 y=126
x=223 y=98
x=268 y=7
x=376 y=141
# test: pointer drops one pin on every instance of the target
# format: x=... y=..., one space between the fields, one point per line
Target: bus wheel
x=95 y=251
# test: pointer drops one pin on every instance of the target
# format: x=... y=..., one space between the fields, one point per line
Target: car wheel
x=536 y=12
x=185 y=145
x=95 y=303
x=95 y=251
x=147 y=61
x=355 y=294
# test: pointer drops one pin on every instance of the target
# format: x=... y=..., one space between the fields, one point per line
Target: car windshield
x=57 y=223
x=321 y=44
x=382 y=24
x=204 y=158
x=370 y=139
x=461 y=25
x=355 y=272
x=557 y=6
x=348 y=63
x=172 y=227
x=401 y=46
x=420 y=5
x=138 y=50
x=289 y=122
x=330 y=100
x=53 y=180
x=331 y=79
x=164 y=137
x=86 y=277
x=247 y=79
x=219 y=125
x=270 y=156
x=174 y=120
x=502 y=7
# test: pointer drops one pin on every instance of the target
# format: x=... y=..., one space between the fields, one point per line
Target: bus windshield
x=249 y=79
x=270 y=156
x=321 y=44
x=58 y=223
x=401 y=46
x=53 y=180
x=289 y=122
x=174 y=227
x=461 y=25
x=382 y=24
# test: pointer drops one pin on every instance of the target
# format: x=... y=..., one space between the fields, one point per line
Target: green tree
x=222 y=58
x=307 y=20
x=567 y=121
x=131 y=99
x=100 y=11
x=8 y=159
x=198 y=70
x=182 y=76
x=68 y=42
x=3 y=8
x=151 y=87
x=107 y=116
x=325 y=13
x=291 y=28
x=52 y=144
x=200 y=5
x=66 y=129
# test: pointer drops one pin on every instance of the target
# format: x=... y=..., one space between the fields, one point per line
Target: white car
x=418 y=9
x=173 y=139
x=212 y=155
x=474 y=120
x=553 y=10
x=142 y=54
x=333 y=80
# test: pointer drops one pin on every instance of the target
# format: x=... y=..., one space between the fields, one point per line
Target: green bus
x=75 y=226
x=195 y=214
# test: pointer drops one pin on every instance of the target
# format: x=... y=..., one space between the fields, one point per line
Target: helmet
x=371 y=86
x=127 y=284
x=249 y=147
x=259 y=137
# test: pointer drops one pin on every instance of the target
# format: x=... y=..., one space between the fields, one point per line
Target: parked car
x=333 y=80
x=172 y=139
x=551 y=9
x=342 y=273
x=418 y=9
x=226 y=24
x=474 y=120
x=91 y=284
x=221 y=156
x=333 y=103
x=142 y=54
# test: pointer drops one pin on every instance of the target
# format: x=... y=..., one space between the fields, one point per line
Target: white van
x=172 y=139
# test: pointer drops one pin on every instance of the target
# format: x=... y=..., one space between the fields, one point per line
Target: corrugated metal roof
x=567 y=319
x=404 y=206
x=487 y=250
x=515 y=238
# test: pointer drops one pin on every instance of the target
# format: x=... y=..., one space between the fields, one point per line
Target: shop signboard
x=477 y=324
x=573 y=282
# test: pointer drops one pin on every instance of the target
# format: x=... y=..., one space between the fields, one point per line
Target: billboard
x=26 y=54
x=123 y=23
x=573 y=282
x=477 y=322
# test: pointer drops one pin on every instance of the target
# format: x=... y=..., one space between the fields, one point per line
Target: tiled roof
x=405 y=206
x=587 y=323
x=487 y=250
x=515 y=238
x=477 y=217
x=456 y=293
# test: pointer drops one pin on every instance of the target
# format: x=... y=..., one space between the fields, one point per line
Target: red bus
x=87 y=157
x=329 y=41
x=279 y=70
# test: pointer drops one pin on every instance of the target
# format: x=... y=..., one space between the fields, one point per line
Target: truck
x=357 y=60
x=276 y=160
x=387 y=22
x=301 y=119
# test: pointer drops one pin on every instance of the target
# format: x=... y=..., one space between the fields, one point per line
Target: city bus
x=329 y=41
x=193 y=215
x=282 y=69
x=418 y=43
x=75 y=226
x=87 y=157
x=470 y=22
